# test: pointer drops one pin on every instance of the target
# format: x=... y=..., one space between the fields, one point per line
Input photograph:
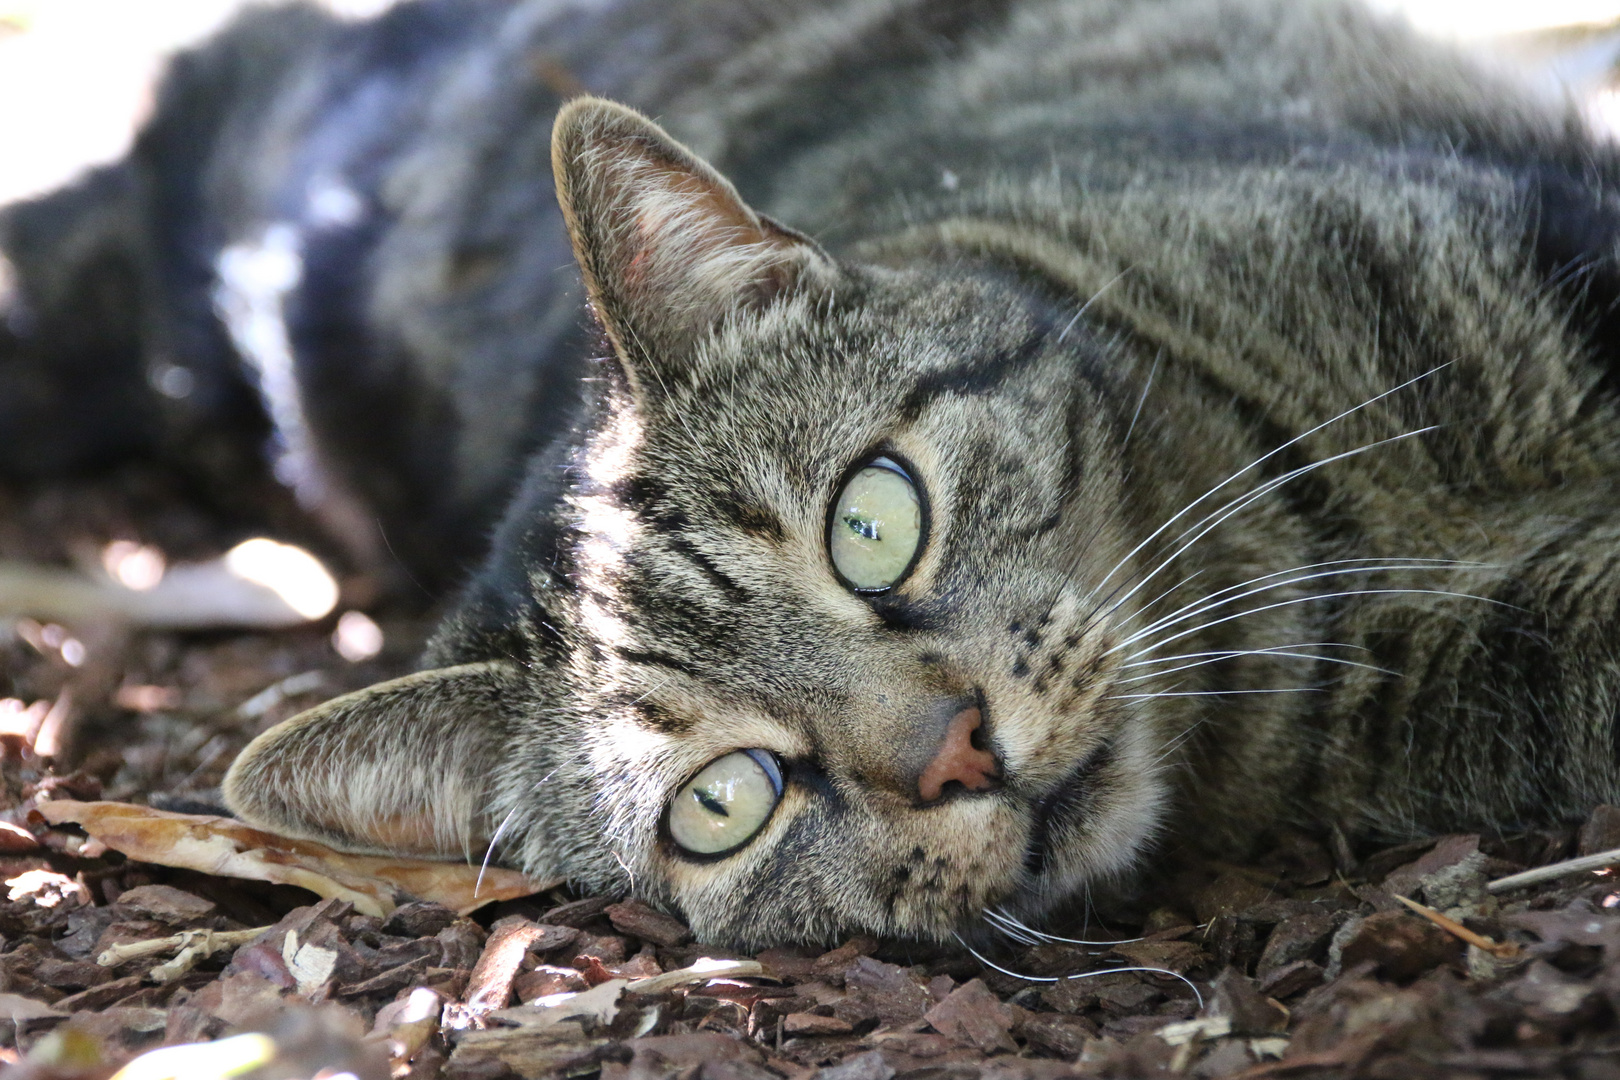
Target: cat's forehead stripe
x=973 y=375
x=653 y=658
x=711 y=571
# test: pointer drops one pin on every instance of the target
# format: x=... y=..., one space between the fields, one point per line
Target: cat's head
x=808 y=635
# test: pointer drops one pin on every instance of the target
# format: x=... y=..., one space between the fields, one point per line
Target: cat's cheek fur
x=920 y=874
x=651 y=767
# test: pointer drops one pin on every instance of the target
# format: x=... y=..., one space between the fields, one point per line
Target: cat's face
x=832 y=648
x=732 y=600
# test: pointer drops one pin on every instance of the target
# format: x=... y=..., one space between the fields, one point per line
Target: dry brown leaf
x=374 y=884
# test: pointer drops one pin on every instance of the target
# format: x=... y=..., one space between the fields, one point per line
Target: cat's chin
x=1065 y=806
x=1092 y=826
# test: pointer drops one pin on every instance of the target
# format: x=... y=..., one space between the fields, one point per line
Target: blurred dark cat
x=1200 y=418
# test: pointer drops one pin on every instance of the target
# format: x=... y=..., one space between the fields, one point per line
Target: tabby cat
x=1191 y=417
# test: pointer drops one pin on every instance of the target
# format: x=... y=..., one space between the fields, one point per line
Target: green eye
x=875 y=528
x=722 y=807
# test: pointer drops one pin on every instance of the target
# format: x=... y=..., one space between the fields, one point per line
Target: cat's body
x=1254 y=364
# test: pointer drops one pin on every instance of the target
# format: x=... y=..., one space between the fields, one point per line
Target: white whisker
x=663 y=683
x=1286 y=654
x=1208 y=603
x=1256 y=463
x=1223 y=654
x=1038 y=936
x=1215 y=518
x=1154 y=370
x=1397 y=562
x=1109 y=284
x=1080 y=975
x=1311 y=598
x=490 y=850
x=1169 y=592
x=1009 y=931
x=1215 y=693
x=1174 y=744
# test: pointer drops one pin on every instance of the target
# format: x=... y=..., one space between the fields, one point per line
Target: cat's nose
x=958 y=760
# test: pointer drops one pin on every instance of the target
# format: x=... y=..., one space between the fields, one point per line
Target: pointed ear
x=403 y=767
x=666 y=246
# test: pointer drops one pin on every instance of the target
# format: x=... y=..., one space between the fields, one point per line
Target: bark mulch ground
x=1308 y=962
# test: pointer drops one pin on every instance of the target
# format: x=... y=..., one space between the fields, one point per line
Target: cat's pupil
x=711 y=804
x=862 y=527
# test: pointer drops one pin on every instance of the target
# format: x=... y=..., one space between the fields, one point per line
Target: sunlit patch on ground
x=357 y=637
x=289 y=571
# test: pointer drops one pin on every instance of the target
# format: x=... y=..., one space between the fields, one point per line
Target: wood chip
x=637 y=919
x=408 y=1024
x=1600 y=833
x=811 y=1024
x=1402 y=947
x=974 y=1016
x=99 y=997
x=47 y=888
x=374 y=884
x=1291 y=979
x=1246 y=1010
x=166 y=904
x=559 y=1049
x=491 y=984
x=577 y=913
x=15 y=1007
x=840 y=958
x=16 y=840
x=595 y=1007
x=310 y=964
x=1196 y=1030
x=391 y=981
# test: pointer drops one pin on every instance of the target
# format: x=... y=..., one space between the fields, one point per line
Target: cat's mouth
x=1068 y=801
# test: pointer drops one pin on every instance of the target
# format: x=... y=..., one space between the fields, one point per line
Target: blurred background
x=76 y=76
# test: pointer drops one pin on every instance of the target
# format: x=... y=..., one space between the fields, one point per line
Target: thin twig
x=203 y=942
x=702 y=971
x=1502 y=950
x=1601 y=861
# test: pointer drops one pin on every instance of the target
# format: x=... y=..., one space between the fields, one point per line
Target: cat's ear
x=402 y=767
x=666 y=245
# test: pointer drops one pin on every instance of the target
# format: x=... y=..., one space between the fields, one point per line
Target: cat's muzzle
x=1066 y=803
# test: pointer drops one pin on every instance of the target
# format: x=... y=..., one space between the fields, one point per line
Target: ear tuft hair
x=666 y=245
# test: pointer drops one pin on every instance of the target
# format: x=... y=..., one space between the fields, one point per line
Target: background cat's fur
x=1102 y=256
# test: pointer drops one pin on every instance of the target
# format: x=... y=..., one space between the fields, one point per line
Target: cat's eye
x=723 y=806
x=875 y=527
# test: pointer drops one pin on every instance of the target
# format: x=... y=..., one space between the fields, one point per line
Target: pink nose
x=959 y=760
